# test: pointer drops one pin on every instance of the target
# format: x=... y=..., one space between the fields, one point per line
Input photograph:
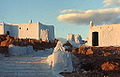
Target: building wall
x=44 y=35
x=51 y=33
x=50 y=30
x=1 y=29
x=29 y=30
x=109 y=35
x=12 y=29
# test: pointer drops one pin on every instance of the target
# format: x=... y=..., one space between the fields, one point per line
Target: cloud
x=69 y=11
x=111 y=2
x=102 y=16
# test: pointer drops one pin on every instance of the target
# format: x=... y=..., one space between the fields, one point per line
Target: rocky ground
x=6 y=40
x=87 y=61
x=95 y=62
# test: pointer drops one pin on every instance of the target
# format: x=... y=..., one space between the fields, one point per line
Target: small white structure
x=29 y=30
x=104 y=35
x=78 y=38
x=60 y=60
x=70 y=37
x=75 y=40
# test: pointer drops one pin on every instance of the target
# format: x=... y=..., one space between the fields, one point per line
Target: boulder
x=89 y=52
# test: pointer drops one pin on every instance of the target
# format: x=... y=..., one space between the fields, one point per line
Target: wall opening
x=8 y=32
x=20 y=28
x=95 y=41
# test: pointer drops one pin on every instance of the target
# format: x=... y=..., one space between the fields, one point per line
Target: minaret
x=91 y=24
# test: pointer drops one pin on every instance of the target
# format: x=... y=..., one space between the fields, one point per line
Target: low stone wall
x=17 y=50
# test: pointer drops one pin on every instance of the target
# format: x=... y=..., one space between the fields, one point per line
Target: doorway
x=8 y=33
x=95 y=41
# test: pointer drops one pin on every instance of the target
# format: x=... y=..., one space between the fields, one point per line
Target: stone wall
x=1 y=29
x=29 y=30
x=18 y=51
x=50 y=29
x=108 y=35
x=44 y=35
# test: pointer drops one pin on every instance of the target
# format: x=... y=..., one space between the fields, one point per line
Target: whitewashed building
x=104 y=35
x=29 y=30
x=75 y=40
x=74 y=37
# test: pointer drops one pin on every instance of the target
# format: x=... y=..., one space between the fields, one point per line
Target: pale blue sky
x=46 y=12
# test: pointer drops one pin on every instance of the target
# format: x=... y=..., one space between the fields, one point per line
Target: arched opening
x=95 y=37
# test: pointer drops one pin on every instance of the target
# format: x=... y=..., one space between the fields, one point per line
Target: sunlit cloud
x=102 y=16
x=111 y=2
x=70 y=11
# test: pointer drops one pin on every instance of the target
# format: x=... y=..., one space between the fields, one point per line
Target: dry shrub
x=85 y=50
x=110 y=66
x=82 y=50
x=76 y=50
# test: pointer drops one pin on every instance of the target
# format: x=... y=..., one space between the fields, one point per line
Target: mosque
x=29 y=30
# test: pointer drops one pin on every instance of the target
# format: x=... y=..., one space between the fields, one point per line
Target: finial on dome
x=91 y=23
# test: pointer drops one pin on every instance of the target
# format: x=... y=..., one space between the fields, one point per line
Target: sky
x=67 y=16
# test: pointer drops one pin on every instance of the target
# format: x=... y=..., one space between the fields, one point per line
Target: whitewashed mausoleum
x=29 y=30
x=104 y=35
